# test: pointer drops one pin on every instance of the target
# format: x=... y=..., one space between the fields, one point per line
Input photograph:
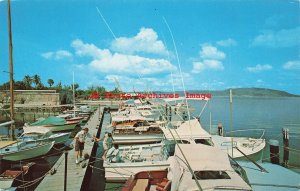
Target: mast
x=11 y=72
x=73 y=94
x=231 y=135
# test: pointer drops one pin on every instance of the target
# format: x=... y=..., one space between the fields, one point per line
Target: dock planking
x=75 y=172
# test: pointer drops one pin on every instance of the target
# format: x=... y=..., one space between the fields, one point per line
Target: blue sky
x=220 y=44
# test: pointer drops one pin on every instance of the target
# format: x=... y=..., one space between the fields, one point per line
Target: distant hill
x=244 y=92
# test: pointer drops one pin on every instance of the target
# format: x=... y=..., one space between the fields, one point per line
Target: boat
x=207 y=169
x=192 y=132
x=135 y=129
x=135 y=159
x=40 y=133
x=70 y=117
x=22 y=150
x=8 y=176
x=56 y=124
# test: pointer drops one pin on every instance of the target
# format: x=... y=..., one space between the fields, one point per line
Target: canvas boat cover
x=188 y=129
x=203 y=158
x=51 y=120
x=35 y=129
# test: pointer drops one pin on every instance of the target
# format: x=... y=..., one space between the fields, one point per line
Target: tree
x=19 y=85
x=50 y=82
x=76 y=86
x=27 y=80
x=37 y=81
x=59 y=86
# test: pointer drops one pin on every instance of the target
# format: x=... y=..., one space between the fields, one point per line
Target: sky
x=155 y=45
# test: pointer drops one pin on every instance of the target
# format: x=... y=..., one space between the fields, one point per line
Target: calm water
x=271 y=114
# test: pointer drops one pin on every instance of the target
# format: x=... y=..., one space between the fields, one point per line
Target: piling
x=285 y=135
x=274 y=151
x=66 y=170
x=220 y=129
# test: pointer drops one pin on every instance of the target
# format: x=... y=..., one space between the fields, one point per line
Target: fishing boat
x=135 y=129
x=40 y=133
x=22 y=150
x=8 y=176
x=134 y=159
x=55 y=124
x=207 y=169
x=192 y=132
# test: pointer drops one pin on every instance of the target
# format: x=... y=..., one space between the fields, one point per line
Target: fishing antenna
x=178 y=61
x=113 y=34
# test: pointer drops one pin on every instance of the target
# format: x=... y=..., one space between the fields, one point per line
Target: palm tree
x=50 y=82
x=37 y=80
x=27 y=80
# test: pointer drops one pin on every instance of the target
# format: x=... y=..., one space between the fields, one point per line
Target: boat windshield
x=208 y=175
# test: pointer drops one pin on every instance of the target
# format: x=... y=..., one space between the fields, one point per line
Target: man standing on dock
x=80 y=140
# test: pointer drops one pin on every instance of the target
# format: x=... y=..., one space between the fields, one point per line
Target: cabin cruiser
x=207 y=169
x=192 y=132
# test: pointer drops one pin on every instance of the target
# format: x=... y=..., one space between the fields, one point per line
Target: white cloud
x=292 y=65
x=145 y=41
x=211 y=52
x=58 y=55
x=158 y=83
x=105 y=61
x=207 y=65
x=227 y=42
x=259 y=68
x=282 y=38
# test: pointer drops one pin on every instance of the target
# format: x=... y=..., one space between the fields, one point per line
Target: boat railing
x=237 y=132
x=229 y=144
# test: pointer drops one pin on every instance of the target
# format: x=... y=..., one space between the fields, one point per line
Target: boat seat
x=141 y=184
x=165 y=185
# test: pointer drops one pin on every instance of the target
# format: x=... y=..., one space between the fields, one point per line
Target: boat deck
x=76 y=172
x=6 y=143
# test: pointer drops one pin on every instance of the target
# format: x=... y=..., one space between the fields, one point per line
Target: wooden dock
x=75 y=172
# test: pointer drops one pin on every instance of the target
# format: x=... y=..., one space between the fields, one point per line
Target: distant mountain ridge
x=243 y=92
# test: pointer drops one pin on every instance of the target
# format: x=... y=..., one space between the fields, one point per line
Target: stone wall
x=31 y=97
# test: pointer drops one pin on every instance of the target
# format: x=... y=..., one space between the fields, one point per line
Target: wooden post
x=170 y=113
x=274 y=151
x=66 y=170
x=220 y=129
x=285 y=135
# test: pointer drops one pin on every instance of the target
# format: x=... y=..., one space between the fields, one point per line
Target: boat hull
x=61 y=139
x=120 y=172
x=60 y=128
x=249 y=146
x=137 y=139
x=27 y=153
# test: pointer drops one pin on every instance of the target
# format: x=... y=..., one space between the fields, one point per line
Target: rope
x=32 y=182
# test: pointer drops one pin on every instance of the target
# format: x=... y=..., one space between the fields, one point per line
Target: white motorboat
x=135 y=159
x=207 y=169
x=135 y=129
x=22 y=150
x=40 y=133
x=192 y=132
